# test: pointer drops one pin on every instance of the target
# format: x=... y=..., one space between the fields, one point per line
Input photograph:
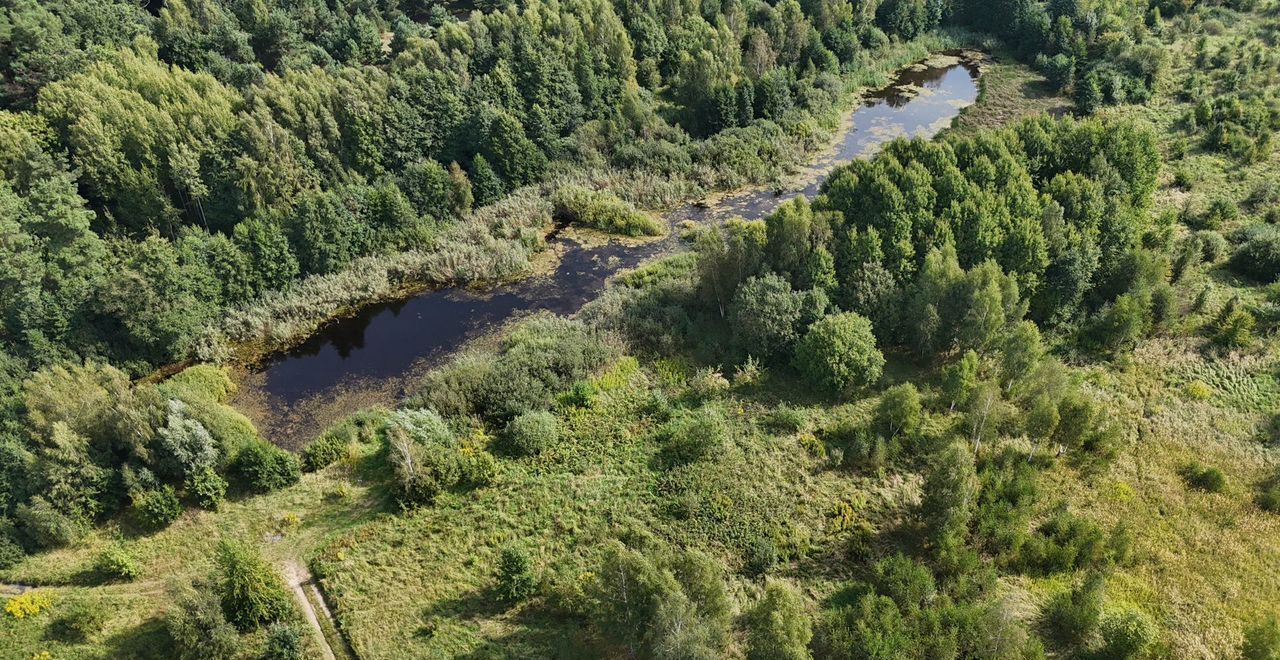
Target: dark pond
x=385 y=342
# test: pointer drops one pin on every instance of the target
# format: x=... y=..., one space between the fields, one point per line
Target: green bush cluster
x=428 y=458
x=603 y=210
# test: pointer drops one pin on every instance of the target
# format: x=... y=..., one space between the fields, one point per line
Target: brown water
x=371 y=357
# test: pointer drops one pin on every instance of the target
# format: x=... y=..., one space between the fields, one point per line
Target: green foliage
x=694 y=435
x=117 y=562
x=1262 y=640
x=198 y=628
x=284 y=642
x=839 y=353
x=207 y=487
x=1205 y=478
x=516 y=580
x=79 y=622
x=428 y=458
x=532 y=433
x=1258 y=256
x=251 y=591
x=604 y=211
x=959 y=379
x=337 y=442
x=900 y=412
x=263 y=467
x=156 y=508
x=950 y=496
x=778 y=627
x=765 y=315
x=1071 y=616
x=1128 y=633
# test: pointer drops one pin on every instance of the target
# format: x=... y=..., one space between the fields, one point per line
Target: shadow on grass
x=146 y=641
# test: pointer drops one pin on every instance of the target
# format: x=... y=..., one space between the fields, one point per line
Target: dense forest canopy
x=950 y=406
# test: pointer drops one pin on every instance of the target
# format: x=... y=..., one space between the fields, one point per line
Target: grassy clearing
x=1009 y=91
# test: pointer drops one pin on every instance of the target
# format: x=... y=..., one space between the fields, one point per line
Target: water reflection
x=386 y=341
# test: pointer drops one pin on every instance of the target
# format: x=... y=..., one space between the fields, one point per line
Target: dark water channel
x=385 y=342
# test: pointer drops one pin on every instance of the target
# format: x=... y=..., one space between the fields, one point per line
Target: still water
x=369 y=357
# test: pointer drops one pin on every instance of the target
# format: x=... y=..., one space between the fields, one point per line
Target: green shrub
x=208 y=488
x=778 y=627
x=205 y=380
x=1064 y=542
x=1258 y=256
x=336 y=442
x=46 y=526
x=839 y=352
x=10 y=552
x=785 y=420
x=899 y=412
x=694 y=435
x=428 y=458
x=198 y=628
x=263 y=467
x=604 y=211
x=908 y=582
x=118 y=563
x=1127 y=634
x=760 y=555
x=516 y=581
x=1213 y=246
x=79 y=622
x=533 y=433
x=1071 y=616
x=284 y=642
x=251 y=591
x=1262 y=640
x=1269 y=498
x=157 y=508
x=1205 y=478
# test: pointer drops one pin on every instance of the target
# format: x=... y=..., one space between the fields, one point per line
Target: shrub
x=1258 y=256
x=839 y=352
x=516 y=580
x=30 y=604
x=899 y=411
x=198 y=627
x=118 y=563
x=694 y=435
x=778 y=628
x=1064 y=542
x=10 y=552
x=205 y=380
x=707 y=383
x=336 y=442
x=263 y=467
x=1207 y=479
x=764 y=314
x=252 y=592
x=908 y=582
x=208 y=488
x=761 y=554
x=1269 y=498
x=1127 y=634
x=1213 y=246
x=46 y=526
x=785 y=419
x=79 y=622
x=158 y=507
x=428 y=458
x=1262 y=640
x=284 y=642
x=532 y=433
x=604 y=211
x=1071 y=616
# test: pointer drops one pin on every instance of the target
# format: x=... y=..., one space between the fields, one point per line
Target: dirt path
x=299 y=579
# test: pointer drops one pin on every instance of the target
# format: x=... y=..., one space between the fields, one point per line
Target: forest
x=1012 y=391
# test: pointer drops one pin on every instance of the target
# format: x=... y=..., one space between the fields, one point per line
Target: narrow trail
x=299 y=579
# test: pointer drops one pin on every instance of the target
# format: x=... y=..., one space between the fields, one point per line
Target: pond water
x=372 y=356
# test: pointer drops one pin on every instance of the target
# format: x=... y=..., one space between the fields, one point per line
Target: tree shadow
x=147 y=641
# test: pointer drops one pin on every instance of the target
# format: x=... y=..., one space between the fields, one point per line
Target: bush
x=908 y=582
x=208 y=488
x=263 y=467
x=778 y=628
x=206 y=381
x=1262 y=640
x=516 y=580
x=1071 y=617
x=1258 y=256
x=764 y=315
x=10 y=552
x=900 y=412
x=694 y=435
x=336 y=442
x=158 y=507
x=198 y=627
x=533 y=433
x=1064 y=542
x=1213 y=246
x=839 y=352
x=604 y=211
x=118 y=563
x=785 y=420
x=252 y=592
x=79 y=622
x=46 y=526
x=1127 y=634
x=1269 y=498
x=284 y=642
x=428 y=458
x=1207 y=479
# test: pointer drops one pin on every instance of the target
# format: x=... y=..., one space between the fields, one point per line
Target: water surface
x=369 y=357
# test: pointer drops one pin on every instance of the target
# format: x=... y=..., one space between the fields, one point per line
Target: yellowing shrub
x=29 y=604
